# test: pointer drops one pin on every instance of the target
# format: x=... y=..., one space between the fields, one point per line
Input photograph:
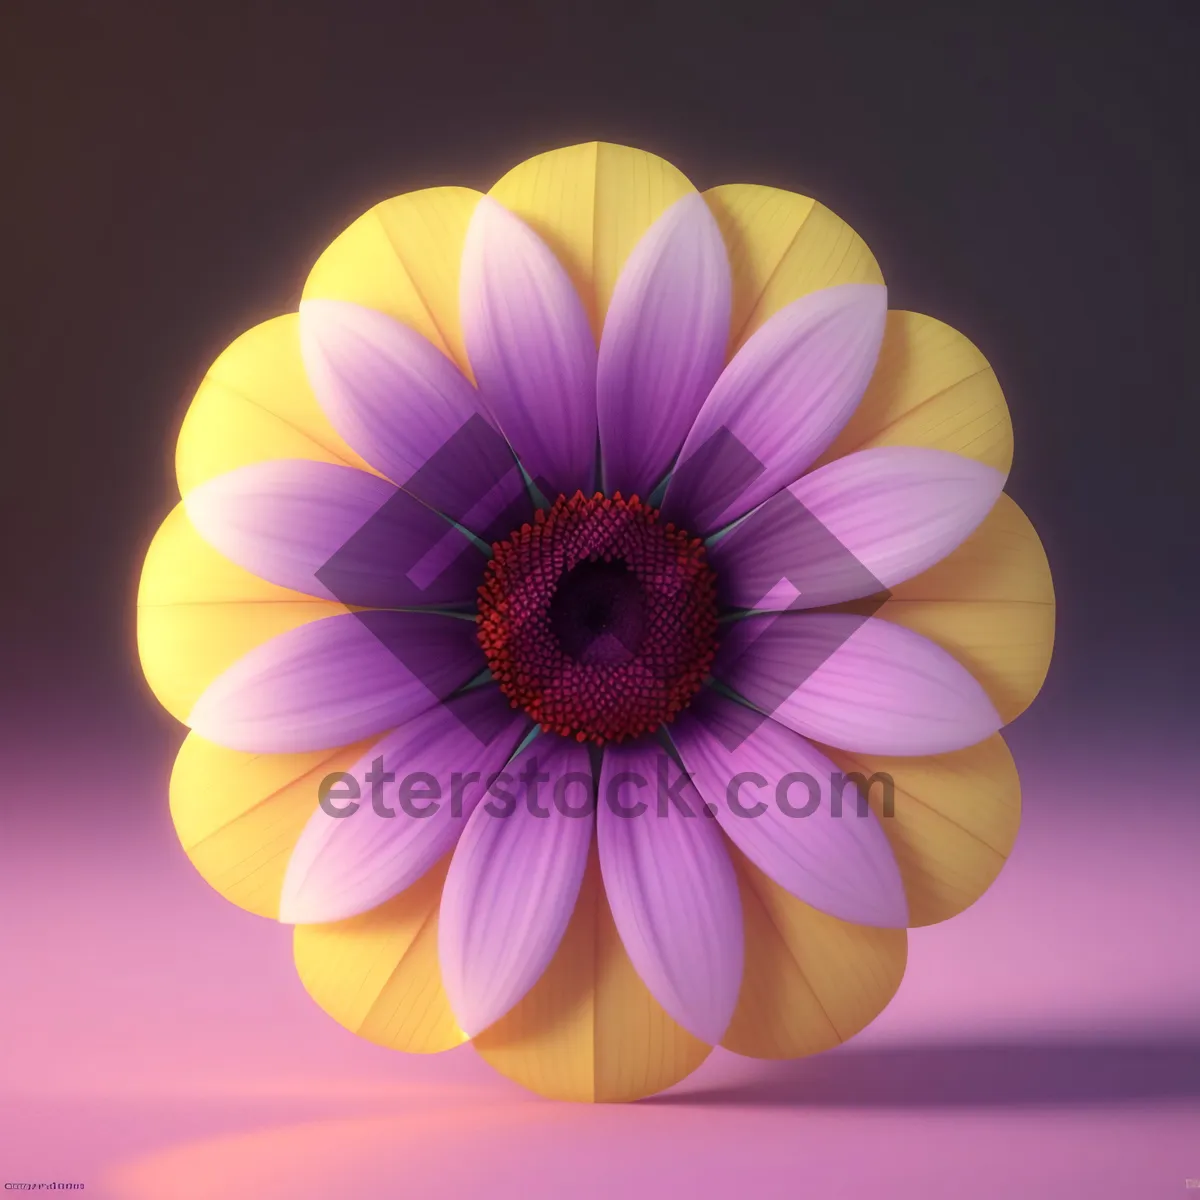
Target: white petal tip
x=473 y=1019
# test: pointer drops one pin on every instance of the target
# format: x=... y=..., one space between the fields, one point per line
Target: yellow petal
x=991 y=604
x=590 y=204
x=589 y=1029
x=954 y=820
x=238 y=815
x=781 y=247
x=198 y=613
x=255 y=404
x=402 y=257
x=931 y=387
x=810 y=981
x=377 y=974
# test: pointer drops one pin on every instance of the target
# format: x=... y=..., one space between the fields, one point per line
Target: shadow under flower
x=969 y=1074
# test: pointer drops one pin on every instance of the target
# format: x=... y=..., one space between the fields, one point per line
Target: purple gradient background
x=1030 y=180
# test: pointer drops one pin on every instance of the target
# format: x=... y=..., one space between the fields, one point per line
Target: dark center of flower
x=597 y=619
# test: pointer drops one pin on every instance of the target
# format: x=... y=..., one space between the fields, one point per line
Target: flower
x=757 y=531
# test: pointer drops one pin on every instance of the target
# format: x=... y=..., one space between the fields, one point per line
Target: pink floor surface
x=157 y=1045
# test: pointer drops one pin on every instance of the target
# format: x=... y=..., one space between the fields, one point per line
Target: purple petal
x=336 y=680
x=408 y=410
x=672 y=891
x=336 y=532
x=663 y=345
x=859 y=684
x=403 y=808
x=858 y=525
x=513 y=882
x=779 y=404
x=773 y=794
x=530 y=346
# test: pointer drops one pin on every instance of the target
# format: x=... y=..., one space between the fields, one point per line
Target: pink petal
x=751 y=771
x=778 y=404
x=336 y=680
x=513 y=882
x=855 y=526
x=438 y=765
x=857 y=683
x=663 y=345
x=336 y=532
x=672 y=890
x=408 y=410
x=531 y=348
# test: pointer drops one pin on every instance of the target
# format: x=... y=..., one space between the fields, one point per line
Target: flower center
x=597 y=619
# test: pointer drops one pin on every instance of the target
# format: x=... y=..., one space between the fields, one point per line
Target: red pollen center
x=597 y=619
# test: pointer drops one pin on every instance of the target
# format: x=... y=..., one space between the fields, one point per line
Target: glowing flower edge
x=670 y=314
